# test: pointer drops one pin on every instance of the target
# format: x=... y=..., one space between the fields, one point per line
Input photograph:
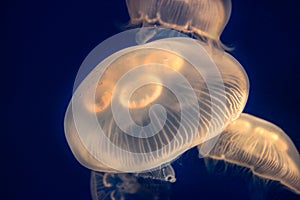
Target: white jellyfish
x=114 y=123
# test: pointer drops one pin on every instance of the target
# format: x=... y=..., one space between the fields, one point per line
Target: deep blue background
x=43 y=44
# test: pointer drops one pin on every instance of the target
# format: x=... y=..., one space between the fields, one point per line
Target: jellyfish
x=262 y=147
x=203 y=19
x=127 y=186
x=143 y=106
x=113 y=186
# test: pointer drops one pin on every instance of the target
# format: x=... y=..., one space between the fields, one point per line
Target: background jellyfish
x=262 y=147
x=204 y=19
x=127 y=186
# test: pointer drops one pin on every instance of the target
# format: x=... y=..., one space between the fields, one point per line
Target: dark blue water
x=43 y=44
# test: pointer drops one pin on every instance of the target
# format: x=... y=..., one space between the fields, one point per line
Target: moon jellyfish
x=203 y=18
x=127 y=186
x=262 y=147
x=144 y=106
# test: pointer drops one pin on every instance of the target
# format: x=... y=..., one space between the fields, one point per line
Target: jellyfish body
x=113 y=186
x=152 y=103
x=262 y=147
x=204 y=18
x=127 y=186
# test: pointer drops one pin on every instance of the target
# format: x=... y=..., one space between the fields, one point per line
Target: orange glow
x=104 y=102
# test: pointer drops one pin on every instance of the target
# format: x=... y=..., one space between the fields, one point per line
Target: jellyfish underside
x=203 y=18
x=262 y=147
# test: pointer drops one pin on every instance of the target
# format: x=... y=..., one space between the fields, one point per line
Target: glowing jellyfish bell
x=144 y=106
x=204 y=19
x=262 y=147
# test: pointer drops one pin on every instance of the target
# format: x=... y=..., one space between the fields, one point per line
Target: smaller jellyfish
x=112 y=186
x=204 y=19
x=262 y=147
x=127 y=186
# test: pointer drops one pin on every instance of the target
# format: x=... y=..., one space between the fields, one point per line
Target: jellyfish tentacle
x=145 y=34
x=262 y=147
